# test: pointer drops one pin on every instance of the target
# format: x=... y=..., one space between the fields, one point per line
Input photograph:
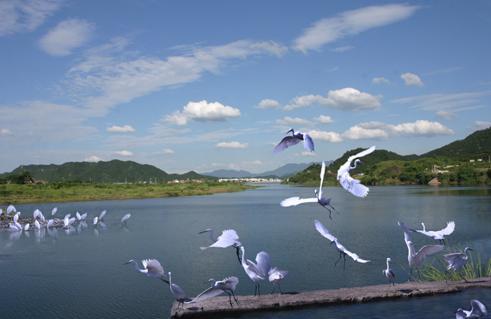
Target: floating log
x=217 y=306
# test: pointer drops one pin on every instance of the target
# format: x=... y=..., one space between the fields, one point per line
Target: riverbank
x=70 y=192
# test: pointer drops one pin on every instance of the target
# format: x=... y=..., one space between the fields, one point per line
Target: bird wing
x=451 y=258
x=226 y=239
x=323 y=171
x=361 y=154
x=294 y=201
x=286 y=142
x=253 y=267
x=353 y=185
x=177 y=291
x=448 y=230
x=209 y=293
x=323 y=231
x=263 y=263
x=11 y=208
x=276 y=274
x=353 y=256
x=153 y=266
x=79 y=217
x=478 y=309
x=103 y=213
x=427 y=250
x=231 y=282
x=308 y=143
x=54 y=210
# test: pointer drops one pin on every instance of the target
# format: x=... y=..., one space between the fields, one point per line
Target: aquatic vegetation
x=475 y=268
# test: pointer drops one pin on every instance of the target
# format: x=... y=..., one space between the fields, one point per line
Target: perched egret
x=151 y=268
x=255 y=270
x=54 y=210
x=478 y=310
x=228 y=238
x=125 y=218
x=294 y=139
x=349 y=183
x=226 y=285
x=438 y=234
x=389 y=273
x=321 y=200
x=343 y=252
x=177 y=292
x=457 y=261
x=275 y=275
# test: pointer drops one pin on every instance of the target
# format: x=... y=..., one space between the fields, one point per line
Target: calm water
x=81 y=275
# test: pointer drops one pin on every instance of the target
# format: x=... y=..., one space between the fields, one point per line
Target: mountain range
x=281 y=172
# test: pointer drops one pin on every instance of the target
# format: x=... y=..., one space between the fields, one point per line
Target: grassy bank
x=68 y=192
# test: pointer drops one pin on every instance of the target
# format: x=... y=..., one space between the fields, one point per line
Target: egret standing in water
x=177 y=292
x=228 y=238
x=389 y=273
x=321 y=200
x=294 y=139
x=438 y=234
x=217 y=288
x=352 y=185
x=478 y=310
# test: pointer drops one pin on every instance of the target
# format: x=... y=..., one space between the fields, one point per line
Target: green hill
x=476 y=145
x=114 y=171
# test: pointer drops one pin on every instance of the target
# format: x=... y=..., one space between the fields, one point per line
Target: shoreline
x=54 y=193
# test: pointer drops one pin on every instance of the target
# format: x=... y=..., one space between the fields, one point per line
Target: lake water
x=81 y=275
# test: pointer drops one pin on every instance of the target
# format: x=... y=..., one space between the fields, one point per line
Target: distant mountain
x=476 y=145
x=282 y=172
x=228 y=173
x=114 y=171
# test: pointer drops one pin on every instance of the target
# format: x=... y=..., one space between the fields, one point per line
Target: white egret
x=343 y=252
x=478 y=310
x=50 y=223
x=27 y=226
x=151 y=268
x=96 y=220
x=227 y=285
x=177 y=292
x=294 y=139
x=53 y=211
x=102 y=214
x=11 y=209
x=68 y=221
x=125 y=218
x=36 y=213
x=275 y=275
x=438 y=234
x=457 y=261
x=321 y=200
x=389 y=273
x=228 y=238
x=37 y=225
x=255 y=270
x=352 y=185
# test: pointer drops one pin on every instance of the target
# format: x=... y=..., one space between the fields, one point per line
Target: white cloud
x=332 y=137
x=324 y=119
x=445 y=114
x=359 y=132
x=25 y=15
x=380 y=80
x=5 y=132
x=411 y=79
x=350 y=23
x=292 y=121
x=93 y=158
x=124 y=153
x=343 y=49
x=417 y=128
x=233 y=144
x=345 y=99
x=203 y=111
x=482 y=125
x=121 y=129
x=268 y=104
x=66 y=36
x=168 y=151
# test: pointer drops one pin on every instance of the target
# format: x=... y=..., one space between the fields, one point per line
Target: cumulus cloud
x=121 y=129
x=349 y=23
x=344 y=99
x=324 y=119
x=268 y=104
x=124 y=153
x=203 y=111
x=332 y=137
x=93 y=158
x=66 y=36
x=234 y=145
x=482 y=125
x=168 y=151
x=358 y=132
x=292 y=121
x=25 y=15
x=380 y=80
x=411 y=79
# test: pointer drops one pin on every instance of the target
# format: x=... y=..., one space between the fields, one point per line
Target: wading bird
x=294 y=139
x=177 y=292
x=321 y=200
x=125 y=218
x=275 y=276
x=255 y=271
x=353 y=185
x=228 y=238
x=438 y=234
x=53 y=211
x=478 y=310
x=151 y=268
x=457 y=261
x=416 y=259
x=389 y=273
x=226 y=285
x=26 y=227
x=342 y=250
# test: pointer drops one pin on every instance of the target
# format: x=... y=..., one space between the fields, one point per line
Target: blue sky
x=210 y=85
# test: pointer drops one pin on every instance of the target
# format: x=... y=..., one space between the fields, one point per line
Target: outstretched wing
x=263 y=263
x=361 y=154
x=426 y=251
x=449 y=229
x=226 y=239
x=354 y=256
x=294 y=201
x=478 y=309
x=323 y=172
x=207 y=294
x=231 y=282
x=353 y=185
x=323 y=231
x=154 y=266
x=286 y=142
x=308 y=143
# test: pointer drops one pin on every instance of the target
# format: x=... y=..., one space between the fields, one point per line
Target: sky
x=205 y=85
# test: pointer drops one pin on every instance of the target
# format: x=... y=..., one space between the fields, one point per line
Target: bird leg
x=229 y=299
x=258 y=289
x=237 y=251
x=279 y=288
x=344 y=261
x=235 y=298
x=336 y=263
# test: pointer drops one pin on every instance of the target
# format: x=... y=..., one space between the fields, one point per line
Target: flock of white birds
x=261 y=269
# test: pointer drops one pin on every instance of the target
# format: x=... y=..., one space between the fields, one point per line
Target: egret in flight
x=228 y=238
x=353 y=185
x=389 y=273
x=217 y=288
x=438 y=234
x=342 y=250
x=478 y=310
x=151 y=268
x=294 y=139
x=125 y=218
x=177 y=292
x=255 y=271
x=321 y=200
x=457 y=261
